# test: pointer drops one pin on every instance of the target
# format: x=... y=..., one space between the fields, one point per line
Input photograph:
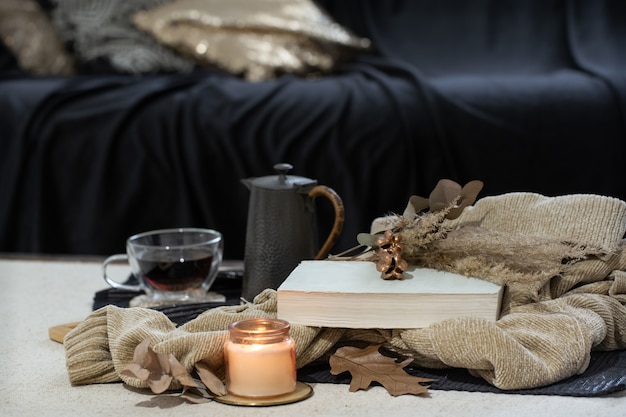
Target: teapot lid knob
x=281 y=181
x=283 y=169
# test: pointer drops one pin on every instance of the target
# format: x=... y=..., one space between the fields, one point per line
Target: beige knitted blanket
x=550 y=324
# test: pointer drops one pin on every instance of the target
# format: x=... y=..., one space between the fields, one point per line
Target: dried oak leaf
x=368 y=365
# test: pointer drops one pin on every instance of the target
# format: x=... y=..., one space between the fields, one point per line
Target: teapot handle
x=329 y=193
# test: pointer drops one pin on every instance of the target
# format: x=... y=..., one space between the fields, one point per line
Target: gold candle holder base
x=302 y=392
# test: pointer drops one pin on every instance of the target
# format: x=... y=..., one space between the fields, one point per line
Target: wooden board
x=57 y=333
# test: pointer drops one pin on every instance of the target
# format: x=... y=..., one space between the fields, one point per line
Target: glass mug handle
x=111 y=281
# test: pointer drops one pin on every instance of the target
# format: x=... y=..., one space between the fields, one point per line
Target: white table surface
x=38 y=294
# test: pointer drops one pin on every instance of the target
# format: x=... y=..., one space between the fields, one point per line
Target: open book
x=352 y=294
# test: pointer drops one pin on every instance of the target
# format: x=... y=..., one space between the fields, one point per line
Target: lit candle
x=260 y=358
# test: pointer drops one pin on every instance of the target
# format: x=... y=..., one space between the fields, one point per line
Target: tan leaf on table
x=179 y=373
x=368 y=365
x=210 y=380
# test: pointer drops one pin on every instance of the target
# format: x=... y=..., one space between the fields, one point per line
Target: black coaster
x=227 y=283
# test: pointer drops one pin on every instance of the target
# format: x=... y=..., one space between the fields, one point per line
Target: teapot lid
x=282 y=181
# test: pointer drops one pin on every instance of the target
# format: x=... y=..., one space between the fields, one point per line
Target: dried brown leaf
x=368 y=365
x=136 y=371
x=444 y=193
x=179 y=372
x=163 y=361
x=160 y=369
x=149 y=366
x=138 y=368
x=210 y=380
x=141 y=350
x=466 y=198
x=416 y=205
x=160 y=372
x=159 y=382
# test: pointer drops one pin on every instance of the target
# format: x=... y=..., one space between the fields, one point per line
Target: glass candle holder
x=260 y=358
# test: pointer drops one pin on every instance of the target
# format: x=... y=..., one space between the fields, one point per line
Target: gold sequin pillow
x=257 y=39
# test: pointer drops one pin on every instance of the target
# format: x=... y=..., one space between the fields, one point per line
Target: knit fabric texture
x=545 y=334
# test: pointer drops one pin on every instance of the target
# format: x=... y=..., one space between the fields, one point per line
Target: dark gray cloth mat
x=606 y=373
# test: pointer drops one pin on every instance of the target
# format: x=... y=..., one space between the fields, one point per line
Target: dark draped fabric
x=524 y=95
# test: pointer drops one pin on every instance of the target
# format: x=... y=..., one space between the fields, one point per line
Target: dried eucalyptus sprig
x=446 y=193
x=390 y=255
x=419 y=225
x=160 y=369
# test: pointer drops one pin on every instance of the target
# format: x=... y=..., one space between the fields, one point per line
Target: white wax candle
x=260 y=370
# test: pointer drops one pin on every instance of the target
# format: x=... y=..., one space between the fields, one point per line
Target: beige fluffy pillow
x=257 y=39
x=28 y=32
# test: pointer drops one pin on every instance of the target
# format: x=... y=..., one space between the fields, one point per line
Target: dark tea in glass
x=172 y=265
x=177 y=274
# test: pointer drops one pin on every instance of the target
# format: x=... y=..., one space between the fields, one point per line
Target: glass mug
x=171 y=265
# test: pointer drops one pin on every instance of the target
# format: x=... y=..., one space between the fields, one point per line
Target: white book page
x=362 y=277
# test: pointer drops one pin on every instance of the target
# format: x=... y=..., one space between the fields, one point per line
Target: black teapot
x=281 y=228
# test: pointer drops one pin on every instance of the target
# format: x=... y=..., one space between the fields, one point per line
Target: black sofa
x=523 y=95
